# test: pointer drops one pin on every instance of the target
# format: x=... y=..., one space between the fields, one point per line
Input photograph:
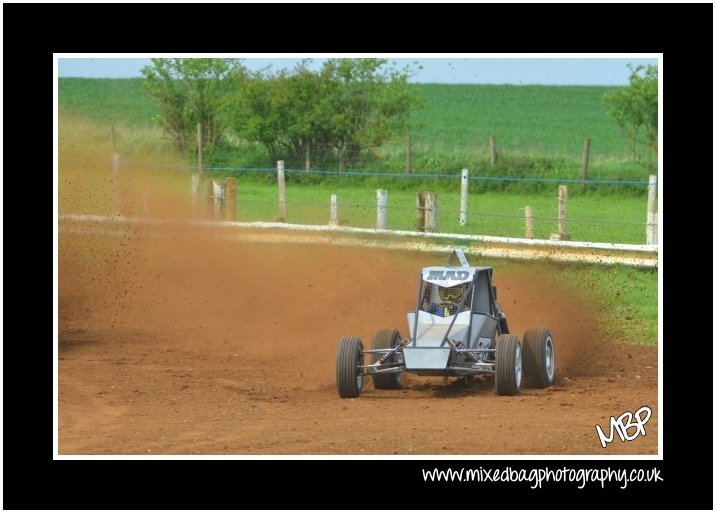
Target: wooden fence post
x=116 y=208
x=420 y=211
x=431 y=212
x=334 y=219
x=585 y=160
x=426 y=211
x=493 y=151
x=308 y=155
x=230 y=199
x=382 y=209
x=464 y=182
x=281 y=175
x=652 y=233
x=529 y=223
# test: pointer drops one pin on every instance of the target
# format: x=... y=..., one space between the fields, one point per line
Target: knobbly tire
x=349 y=379
x=385 y=339
x=508 y=365
x=538 y=357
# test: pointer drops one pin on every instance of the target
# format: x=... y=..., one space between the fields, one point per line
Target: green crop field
x=546 y=120
x=122 y=102
x=534 y=126
x=540 y=130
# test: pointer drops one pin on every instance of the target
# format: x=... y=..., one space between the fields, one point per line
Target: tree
x=349 y=106
x=635 y=108
x=284 y=113
x=371 y=104
x=192 y=91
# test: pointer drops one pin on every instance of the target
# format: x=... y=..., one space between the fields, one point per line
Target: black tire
x=508 y=365
x=385 y=339
x=349 y=377
x=538 y=357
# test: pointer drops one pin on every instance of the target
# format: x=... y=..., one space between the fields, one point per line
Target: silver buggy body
x=457 y=329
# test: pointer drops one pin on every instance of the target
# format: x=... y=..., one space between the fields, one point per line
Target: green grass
x=590 y=218
x=540 y=130
x=626 y=298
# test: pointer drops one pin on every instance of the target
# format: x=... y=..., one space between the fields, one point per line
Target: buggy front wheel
x=349 y=359
x=538 y=357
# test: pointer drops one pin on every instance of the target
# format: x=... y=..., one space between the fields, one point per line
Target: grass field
x=593 y=219
x=540 y=130
x=626 y=298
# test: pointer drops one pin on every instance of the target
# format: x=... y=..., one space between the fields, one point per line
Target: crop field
x=540 y=130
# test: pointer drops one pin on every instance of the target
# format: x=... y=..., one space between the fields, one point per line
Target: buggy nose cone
x=426 y=358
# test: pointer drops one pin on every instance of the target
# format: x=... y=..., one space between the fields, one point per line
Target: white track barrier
x=478 y=245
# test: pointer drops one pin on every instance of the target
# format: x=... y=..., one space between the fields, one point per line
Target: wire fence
x=539 y=215
x=383 y=174
x=479 y=222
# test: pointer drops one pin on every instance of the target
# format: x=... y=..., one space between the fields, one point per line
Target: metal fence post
x=562 y=214
x=281 y=175
x=333 y=221
x=651 y=213
x=219 y=189
x=382 y=199
x=463 y=197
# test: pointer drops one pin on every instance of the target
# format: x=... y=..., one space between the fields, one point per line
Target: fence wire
x=415 y=175
x=608 y=219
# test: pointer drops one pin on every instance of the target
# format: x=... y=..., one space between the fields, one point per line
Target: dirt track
x=181 y=345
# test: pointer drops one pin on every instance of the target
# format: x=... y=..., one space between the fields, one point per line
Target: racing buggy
x=457 y=329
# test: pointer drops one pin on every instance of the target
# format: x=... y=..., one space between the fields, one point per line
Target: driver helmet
x=453 y=294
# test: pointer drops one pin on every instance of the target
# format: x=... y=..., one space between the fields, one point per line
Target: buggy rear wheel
x=538 y=357
x=349 y=358
x=385 y=339
x=508 y=365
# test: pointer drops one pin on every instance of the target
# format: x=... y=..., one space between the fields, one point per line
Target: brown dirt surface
x=177 y=341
